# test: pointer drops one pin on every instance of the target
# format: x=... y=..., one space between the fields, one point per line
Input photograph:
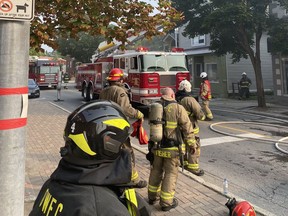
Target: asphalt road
x=236 y=146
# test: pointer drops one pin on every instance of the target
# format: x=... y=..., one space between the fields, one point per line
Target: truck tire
x=83 y=92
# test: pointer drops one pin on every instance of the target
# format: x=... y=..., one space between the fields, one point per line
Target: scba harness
x=166 y=147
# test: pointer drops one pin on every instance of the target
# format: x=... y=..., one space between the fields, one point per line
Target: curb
x=259 y=211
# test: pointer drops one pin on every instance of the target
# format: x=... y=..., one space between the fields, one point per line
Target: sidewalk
x=45 y=137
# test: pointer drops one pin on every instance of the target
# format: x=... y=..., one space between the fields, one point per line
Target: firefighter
x=195 y=113
x=205 y=95
x=164 y=170
x=94 y=175
x=117 y=93
x=244 y=85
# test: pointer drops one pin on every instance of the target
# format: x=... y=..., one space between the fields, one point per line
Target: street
x=235 y=145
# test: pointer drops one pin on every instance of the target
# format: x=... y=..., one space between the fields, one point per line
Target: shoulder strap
x=131 y=200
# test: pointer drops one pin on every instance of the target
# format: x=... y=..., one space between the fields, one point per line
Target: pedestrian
x=244 y=85
x=116 y=92
x=195 y=113
x=164 y=170
x=93 y=176
x=205 y=95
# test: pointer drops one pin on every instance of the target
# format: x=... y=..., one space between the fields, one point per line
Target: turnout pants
x=193 y=159
x=162 y=179
x=206 y=109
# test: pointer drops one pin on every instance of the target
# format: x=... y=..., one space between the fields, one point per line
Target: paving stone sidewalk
x=45 y=137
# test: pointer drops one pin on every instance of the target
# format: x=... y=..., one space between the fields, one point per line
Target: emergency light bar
x=50 y=64
x=142 y=49
x=176 y=49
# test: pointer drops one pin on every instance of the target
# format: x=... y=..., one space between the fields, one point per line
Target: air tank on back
x=156 y=122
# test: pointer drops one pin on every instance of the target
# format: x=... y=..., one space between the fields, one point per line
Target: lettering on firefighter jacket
x=49 y=205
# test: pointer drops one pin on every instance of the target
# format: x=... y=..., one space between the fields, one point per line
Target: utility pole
x=14 y=58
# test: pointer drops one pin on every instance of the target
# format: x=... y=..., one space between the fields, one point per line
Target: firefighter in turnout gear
x=205 y=95
x=195 y=113
x=117 y=93
x=94 y=175
x=244 y=85
x=177 y=131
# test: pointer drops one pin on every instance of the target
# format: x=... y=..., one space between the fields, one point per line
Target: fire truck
x=145 y=73
x=45 y=71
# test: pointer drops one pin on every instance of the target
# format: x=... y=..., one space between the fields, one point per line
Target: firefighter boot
x=199 y=172
x=169 y=207
x=141 y=184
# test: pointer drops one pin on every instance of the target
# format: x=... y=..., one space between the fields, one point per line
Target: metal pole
x=14 y=58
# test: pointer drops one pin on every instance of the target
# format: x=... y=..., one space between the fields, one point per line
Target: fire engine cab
x=45 y=71
x=145 y=73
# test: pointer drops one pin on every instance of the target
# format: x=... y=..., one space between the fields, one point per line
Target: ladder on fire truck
x=105 y=49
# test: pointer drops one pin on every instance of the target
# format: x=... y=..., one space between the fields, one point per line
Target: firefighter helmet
x=115 y=74
x=243 y=207
x=185 y=85
x=240 y=208
x=203 y=75
x=94 y=132
x=244 y=74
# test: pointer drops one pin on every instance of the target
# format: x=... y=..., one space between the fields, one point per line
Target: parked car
x=34 y=90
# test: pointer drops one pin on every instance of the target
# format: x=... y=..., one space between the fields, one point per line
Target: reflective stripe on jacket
x=194 y=111
x=177 y=119
x=205 y=90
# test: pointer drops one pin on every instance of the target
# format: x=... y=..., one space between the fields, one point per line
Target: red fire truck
x=45 y=71
x=145 y=73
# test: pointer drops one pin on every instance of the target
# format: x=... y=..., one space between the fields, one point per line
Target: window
x=116 y=63
x=122 y=63
x=133 y=63
x=198 y=40
x=211 y=70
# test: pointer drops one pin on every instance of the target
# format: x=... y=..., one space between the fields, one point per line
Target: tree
x=81 y=49
x=277 y=42
x=235 y=26
x=66 y=18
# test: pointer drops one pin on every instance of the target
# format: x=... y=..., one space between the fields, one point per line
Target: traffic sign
x=21 y=10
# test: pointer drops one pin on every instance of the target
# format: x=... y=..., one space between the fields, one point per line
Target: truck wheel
x=83 y=93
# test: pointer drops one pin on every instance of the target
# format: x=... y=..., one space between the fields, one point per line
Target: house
x=279 y=62
x=223 y=75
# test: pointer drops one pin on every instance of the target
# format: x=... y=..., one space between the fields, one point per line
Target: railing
x=235 y=88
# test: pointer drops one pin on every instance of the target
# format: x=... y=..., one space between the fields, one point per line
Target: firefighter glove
x=140 y=115
x=150 y=157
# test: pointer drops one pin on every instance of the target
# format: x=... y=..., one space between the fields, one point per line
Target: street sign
x=21 y=10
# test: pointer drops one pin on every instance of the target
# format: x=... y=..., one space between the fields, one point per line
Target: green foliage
x=278 y=40
x=236 y=27
x=81 y=49
x=66 y=18
x=232 y=24
x=33 y=52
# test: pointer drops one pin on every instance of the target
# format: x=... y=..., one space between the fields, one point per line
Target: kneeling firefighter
x=94 y=175
x=166 y=147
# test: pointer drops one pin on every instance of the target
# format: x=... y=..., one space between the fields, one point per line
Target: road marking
x=219 y=140
x=225 y=139
x=247 y=133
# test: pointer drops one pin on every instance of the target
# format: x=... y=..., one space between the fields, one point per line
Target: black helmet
x=95 y=132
